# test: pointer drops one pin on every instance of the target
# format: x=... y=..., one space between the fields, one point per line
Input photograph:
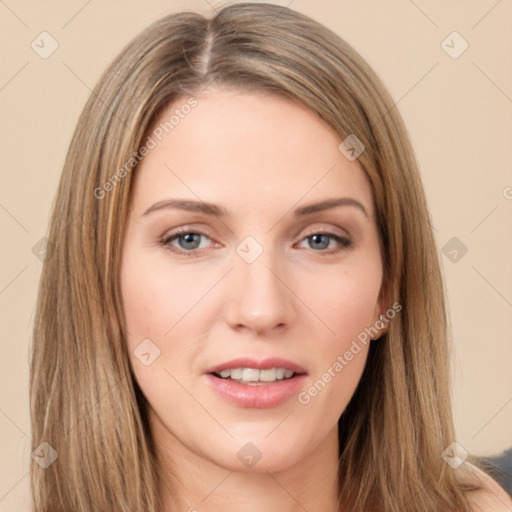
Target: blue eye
x=321 y=240
x=189 y=242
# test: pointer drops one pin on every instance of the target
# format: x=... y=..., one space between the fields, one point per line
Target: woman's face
x=263 y=278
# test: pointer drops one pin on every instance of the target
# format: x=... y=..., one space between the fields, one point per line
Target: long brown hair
x=85 y=402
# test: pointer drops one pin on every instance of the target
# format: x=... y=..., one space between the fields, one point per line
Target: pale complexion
x=261 y=158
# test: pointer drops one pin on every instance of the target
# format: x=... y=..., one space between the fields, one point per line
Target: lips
x=265 y=364
x=256 y=395
x=262 y=396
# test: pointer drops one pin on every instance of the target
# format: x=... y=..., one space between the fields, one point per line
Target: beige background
x=459 y=114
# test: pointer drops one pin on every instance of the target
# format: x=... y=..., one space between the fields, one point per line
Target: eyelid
x=324 y=228
x=344 y=242
x=304 y=233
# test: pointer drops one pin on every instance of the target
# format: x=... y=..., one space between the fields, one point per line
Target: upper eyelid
x=311 y=230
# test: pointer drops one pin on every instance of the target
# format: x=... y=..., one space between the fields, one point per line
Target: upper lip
x=264 y=364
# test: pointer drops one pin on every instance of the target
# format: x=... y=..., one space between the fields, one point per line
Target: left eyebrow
x=220 y=211
x=328 y=204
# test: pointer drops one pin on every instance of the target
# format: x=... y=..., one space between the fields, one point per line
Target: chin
x=262 y=453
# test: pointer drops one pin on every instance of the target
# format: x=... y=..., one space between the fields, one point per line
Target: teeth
x=250 y=375
x=254 y=375
x=268 y=375
x=236 y=373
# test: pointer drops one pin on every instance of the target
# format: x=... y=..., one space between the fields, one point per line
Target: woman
x=244 y=308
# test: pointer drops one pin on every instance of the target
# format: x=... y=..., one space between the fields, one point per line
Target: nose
x=260 y=298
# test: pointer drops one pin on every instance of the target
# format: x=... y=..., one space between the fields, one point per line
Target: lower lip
x=259 y=396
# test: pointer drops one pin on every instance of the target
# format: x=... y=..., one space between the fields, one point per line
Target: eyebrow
x=220 y=211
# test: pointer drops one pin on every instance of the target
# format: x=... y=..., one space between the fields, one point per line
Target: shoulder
x=492 y=497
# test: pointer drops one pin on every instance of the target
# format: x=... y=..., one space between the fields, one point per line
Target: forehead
x=235 y=147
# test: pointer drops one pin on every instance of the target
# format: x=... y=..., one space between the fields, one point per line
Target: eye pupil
x=189 y=240
x=315 y=238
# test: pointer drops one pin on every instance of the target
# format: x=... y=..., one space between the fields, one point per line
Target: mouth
x=257 y=384
x=250 y=371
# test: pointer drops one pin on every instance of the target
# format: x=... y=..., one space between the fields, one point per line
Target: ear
x=379 y=319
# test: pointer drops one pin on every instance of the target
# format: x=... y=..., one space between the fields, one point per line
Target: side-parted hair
x=85 y=402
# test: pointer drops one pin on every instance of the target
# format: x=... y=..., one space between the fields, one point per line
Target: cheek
x=162 y=307
x=344 y=302
x=352 y=306
x=156 y=297
x=342 y=342
x=152 y=310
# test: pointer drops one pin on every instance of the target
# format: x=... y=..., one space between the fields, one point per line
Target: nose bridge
x=260 y=298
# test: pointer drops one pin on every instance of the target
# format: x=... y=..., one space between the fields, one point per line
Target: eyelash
x=344 y=243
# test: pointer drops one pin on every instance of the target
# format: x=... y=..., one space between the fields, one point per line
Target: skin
x=492 y=497
x=261 y=157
